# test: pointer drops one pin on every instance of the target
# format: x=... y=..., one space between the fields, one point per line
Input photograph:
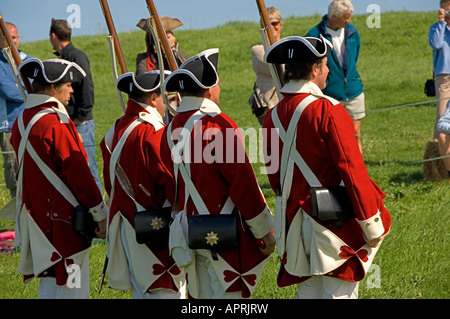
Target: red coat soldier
x=142 y=183
x=224 y=182
x=54 y=178
x=326 y=256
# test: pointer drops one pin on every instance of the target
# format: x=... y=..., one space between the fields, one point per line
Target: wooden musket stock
x=123 y=69
x=265 y=21
x=162 y=36
x=270 y=39
x=15 y=53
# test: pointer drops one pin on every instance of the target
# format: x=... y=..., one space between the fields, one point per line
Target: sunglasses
x=275 y=23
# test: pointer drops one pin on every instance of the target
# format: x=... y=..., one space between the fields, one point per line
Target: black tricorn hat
x=52 y=71
x=199 y=71
x=297 y=49
x=144 y=83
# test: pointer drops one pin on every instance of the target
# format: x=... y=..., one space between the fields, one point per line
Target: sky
x=33 y=17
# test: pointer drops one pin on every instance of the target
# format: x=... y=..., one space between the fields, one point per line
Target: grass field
x=395 y=61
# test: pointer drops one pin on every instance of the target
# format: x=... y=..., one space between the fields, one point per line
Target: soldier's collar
x=191 y=103
x=34 y=100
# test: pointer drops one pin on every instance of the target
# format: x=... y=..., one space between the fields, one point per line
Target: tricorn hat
x=199 y=71
x=168 y=23
x=297 y=49
x=144 y=83
x=52 y=71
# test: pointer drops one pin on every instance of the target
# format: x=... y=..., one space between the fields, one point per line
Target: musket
x=268 y=39
x=113 y=33
x=161 y=40
x=164 y=42
x=15 y=54
x=116 y=50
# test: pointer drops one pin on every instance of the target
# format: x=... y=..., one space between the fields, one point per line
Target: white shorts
x=208 y=281
x=355 y=107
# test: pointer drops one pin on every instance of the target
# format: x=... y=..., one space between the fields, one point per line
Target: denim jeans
x=10 y=166
x=87 y=132
x=443 y=124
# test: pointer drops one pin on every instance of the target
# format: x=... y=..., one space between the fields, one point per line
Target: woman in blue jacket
x=343 y=82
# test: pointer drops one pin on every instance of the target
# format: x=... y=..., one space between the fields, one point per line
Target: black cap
x=52 y=71
x=297 y=49
x=199 y=71
x=144 y=83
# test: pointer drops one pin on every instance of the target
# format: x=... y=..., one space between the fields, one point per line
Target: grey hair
x=340 y=7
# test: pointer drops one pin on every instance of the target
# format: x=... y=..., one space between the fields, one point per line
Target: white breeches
x=209 y=285
x=323 y=287
x=136 y=290
x=77 y=286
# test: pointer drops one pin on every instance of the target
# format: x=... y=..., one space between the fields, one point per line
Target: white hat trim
x=67 y=63
x=303 y=40
x=137 y=85
x=205 y=53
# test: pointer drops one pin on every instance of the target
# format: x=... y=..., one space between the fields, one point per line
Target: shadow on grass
x=407 y=178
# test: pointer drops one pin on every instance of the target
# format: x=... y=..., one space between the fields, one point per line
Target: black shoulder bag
x=205 y=231
x=327 y=203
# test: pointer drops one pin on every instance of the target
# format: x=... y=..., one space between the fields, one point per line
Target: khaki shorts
x=355 y=107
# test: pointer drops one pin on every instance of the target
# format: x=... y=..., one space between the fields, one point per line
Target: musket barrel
x=113 y=33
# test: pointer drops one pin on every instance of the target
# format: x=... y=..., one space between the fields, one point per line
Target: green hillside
x=395 y=61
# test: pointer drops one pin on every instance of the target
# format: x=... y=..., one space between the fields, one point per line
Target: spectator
x=443 y=128
x=264 y=81
x=82 y=100
x=148 y=60
x=11 y=105
x=439 y=40
x=343 y=82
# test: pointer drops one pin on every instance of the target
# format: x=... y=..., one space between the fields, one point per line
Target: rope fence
x=388 y=108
